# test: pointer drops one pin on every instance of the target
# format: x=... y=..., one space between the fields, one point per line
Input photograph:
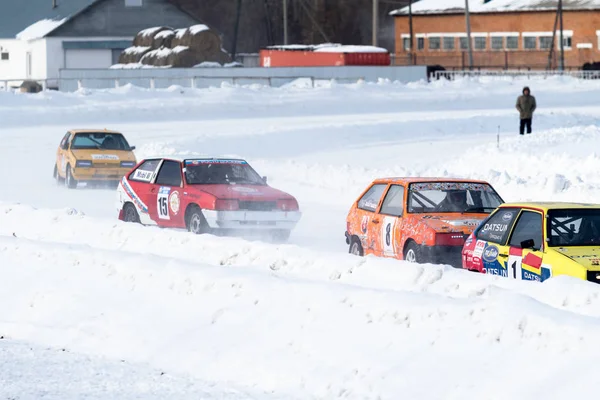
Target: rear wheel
x=413 y=253
x=195 y=221
x=130 y=214
x=356 y=247
x=70 y=181
x=280 y=236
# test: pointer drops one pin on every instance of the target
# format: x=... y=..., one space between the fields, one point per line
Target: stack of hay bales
x=181 y=48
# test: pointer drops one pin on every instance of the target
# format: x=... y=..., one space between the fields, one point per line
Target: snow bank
x=40 y=29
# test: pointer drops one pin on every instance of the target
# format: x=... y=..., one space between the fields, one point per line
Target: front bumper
x=99 y=174
x=451 y=255
x=252 y=220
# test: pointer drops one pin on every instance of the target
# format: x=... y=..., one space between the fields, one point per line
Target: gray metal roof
x=16 y=15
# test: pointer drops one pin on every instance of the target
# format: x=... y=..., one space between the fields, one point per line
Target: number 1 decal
x=514 y=269
x=387 y=236
x=163 y=203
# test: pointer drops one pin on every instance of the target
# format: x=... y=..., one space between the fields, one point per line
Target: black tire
x=69 y=180
x=413 y=253
x=56 y=176
x=195 y=221
x=130 y=214
x=356 y=247
x=280 y=235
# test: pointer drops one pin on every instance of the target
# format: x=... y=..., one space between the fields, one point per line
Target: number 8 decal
x=387 y=236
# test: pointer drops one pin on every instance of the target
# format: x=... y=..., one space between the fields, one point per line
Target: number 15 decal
x=163 y=203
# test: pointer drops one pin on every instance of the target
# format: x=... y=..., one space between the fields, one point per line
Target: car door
x=388 y=243
x=526 y=245
x=138 y=187
x=61 y=164
x=369 y=221
x=491 y=251
x=165 y=194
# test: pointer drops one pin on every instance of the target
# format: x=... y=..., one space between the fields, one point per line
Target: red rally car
x=204 y=195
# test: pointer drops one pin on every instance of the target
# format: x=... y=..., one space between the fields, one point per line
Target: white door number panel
x=514 y=267
x=163 y=202
x=387 y=236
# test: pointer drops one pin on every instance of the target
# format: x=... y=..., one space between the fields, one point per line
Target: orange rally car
x=424 y=220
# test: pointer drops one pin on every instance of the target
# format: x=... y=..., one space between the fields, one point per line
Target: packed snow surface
x=232 y=318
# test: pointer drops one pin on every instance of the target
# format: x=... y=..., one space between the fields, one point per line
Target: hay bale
x=201 y=38
x=178 y=38
x=163 y=39
x=184 y=57
x=145 y=38
x=30 y=87
x=133 y=54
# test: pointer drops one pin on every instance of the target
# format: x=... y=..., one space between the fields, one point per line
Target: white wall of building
x=88 y=58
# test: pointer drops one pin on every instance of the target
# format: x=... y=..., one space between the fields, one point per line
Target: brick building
x=505 y=34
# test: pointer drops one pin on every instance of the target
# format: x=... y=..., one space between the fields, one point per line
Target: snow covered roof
x=481 y=6
x=329 y=48
x=38 y=18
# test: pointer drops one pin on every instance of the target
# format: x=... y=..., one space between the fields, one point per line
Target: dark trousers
x=525 y=123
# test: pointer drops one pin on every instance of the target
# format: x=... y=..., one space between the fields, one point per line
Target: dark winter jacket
x=526 y=106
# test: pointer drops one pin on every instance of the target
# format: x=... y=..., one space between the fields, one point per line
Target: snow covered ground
x=245 y=319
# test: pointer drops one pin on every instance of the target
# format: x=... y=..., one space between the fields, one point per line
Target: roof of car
x=548 y=205
x=413 y=179
x=183 y=158
x=75 y=131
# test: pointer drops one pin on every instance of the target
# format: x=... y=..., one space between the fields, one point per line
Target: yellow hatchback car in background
x=93 y=156
x=535 y=241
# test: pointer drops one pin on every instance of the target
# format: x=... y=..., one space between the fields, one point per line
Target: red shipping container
x=295 y=58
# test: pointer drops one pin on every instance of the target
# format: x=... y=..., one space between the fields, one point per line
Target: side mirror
x=264 y=179
x=131 y=147
x=527 y=244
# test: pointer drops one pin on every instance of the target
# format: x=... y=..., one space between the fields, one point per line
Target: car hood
x=102 y=155
x=243 y=192
x=454 y=222
x=588 y=256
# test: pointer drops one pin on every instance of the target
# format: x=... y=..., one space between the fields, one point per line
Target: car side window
x=64 y=143
x=370 y=200
x=169 y=174
x=144 y=172
x=393 y=203
x=529 y=226
x=497 y=227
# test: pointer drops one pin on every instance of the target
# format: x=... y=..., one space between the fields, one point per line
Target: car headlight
x=83 y=163
x=127 y=164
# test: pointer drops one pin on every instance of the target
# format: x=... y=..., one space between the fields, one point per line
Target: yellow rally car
x=535 y=241
x=93 y=156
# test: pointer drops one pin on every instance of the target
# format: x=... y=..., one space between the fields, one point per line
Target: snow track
x=230 y=318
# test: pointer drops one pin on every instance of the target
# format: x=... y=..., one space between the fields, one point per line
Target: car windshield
x=448 y=197
x=574 y=227
x=99 y=140
x=227 y=172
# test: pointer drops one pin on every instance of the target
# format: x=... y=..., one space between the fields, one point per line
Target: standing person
x=526 y=106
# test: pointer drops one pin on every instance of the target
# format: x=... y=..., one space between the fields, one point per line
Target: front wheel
x=356 y=247
x=196 y=223
x=70 y=181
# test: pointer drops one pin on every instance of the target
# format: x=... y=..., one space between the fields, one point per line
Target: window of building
x=530 y=43
x=497 y=43
x=4 y=56
x=480 y=43
x=464 y=43
x=512 y=42
x=434 y=43
x=133 y=3
x=420 y=43
x=406 y=44
x=567 y=42
x=448 y=43
x=545 y=42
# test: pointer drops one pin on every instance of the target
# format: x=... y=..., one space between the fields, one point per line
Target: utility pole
x=412 y=40
x=285 y=22
x=469 y=42
x=375 y=20
x=551 y=52
x=236 y=29
x=562 y=42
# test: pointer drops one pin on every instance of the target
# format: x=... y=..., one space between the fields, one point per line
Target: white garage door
x=85 y=58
